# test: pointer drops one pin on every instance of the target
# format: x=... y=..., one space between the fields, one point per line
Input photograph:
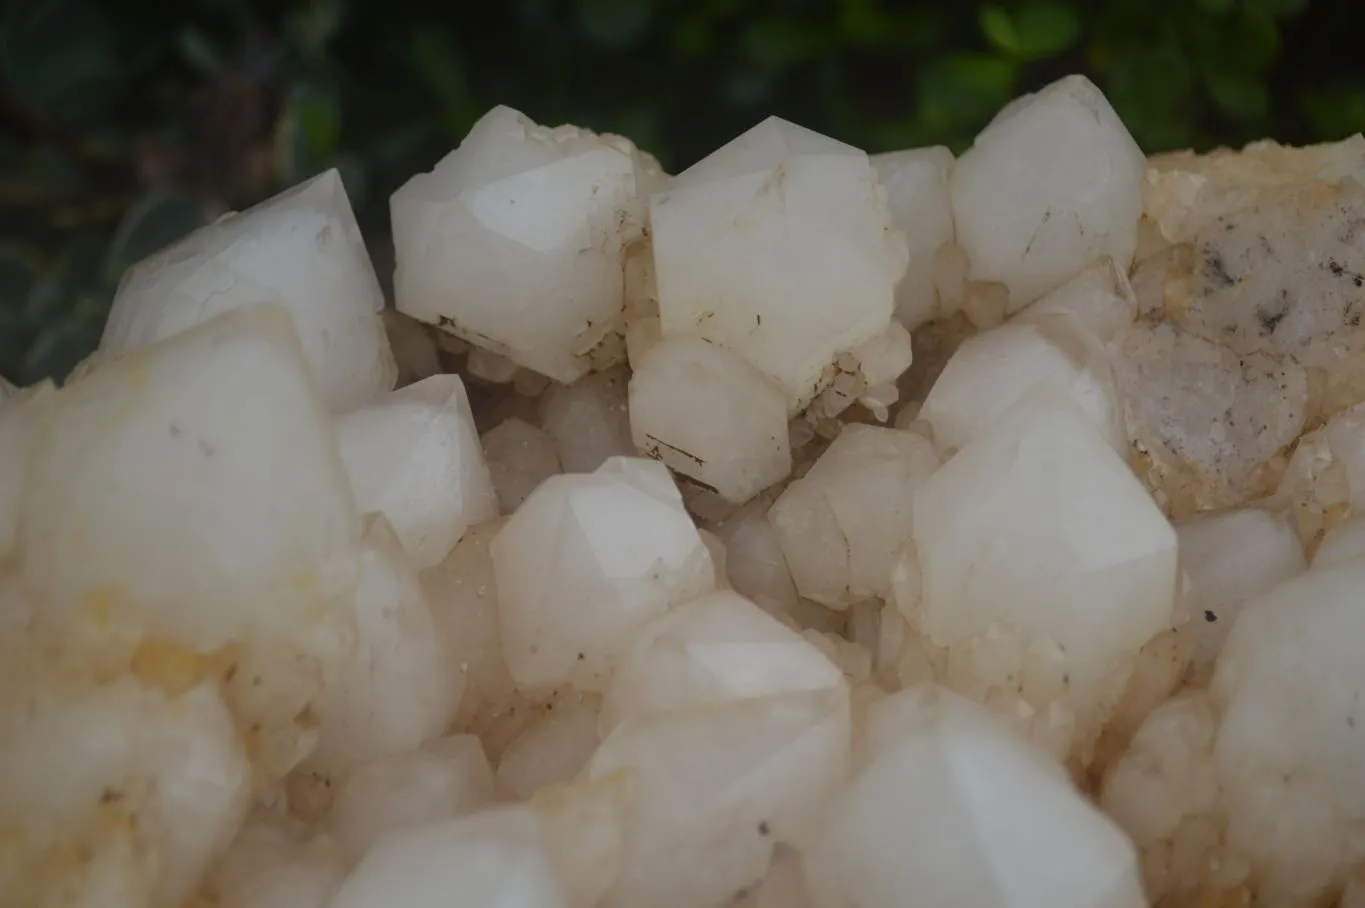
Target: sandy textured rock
x=301 y=249
x=753 y=242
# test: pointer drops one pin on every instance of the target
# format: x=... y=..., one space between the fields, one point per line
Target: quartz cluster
x=802 y=530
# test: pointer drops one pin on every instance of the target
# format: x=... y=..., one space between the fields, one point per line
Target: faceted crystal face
x=720 y=647
x=301 y=248
x=520 y=457
x=1045 y=565
x=492 y=859
x=992 y=371
x=1053 y=183
x=587 y=561
x=589 y=420
x=841 y=524
x=916 y=183
x=779 y=247
x=514 y=241
x=709 y=415
x=717 y=786
x=955 y=808
x=415 y=457
x=1099 y=299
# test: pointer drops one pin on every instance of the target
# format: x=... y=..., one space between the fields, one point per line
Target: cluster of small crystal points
x=804 y=530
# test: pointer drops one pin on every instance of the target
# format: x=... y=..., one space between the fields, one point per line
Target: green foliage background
x=127 y=123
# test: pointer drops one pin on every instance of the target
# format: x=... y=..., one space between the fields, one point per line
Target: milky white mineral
x=1232 y=557
x=1099 y=299
x=589 y=420
x=992 y=371
x=916 y=183
x=414 y=456
x=841 y=524
x=302 y=249
x=402 y=686
x=551 y=750
x=585 y=563
x=717 y=786
x=439 y=780
x=953 y=807
x=754 y=242
x=1053 y=183
x=495 y=858
x=1045 y=567
x=520 y=457
x=709 y=415
x=720 y=647
x=513 y=242
x=1344 y=541
x=274 y=863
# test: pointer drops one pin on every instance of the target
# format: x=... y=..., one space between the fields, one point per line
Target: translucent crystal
x=302 y=249
x=1053 y=183
x=491 y=859
x=991 y=372
x=720 y=647
x=589 y=420
x=709 y=415
x=916 y=183
x=717 y=786
x=1045 y=568
x=778 y=246
x=754 y=562
x=957 y=810
x=551 y=750
x=520 y=457
x=841 y=524
x=513 y=242
x=1099 y=299
x=438 y=781
x=275 y=864
x=415 y=457
x=586 y=562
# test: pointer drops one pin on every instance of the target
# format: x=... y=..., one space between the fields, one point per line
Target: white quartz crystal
x=274 y=864
x=513 y=242
x=709 y=415
x=1232 y=557
x=551 y=750
x=992 y=371
x=301 y=248
x=841 y=524
x=1344 y=541
x=491 y=859
x=720 y=647
x=1054 y=182
x=193 y=490
x=438 y=781
x=778 y=246
x=717 y=786
x=414 y=456
x=585 y=563
x=589 y=420
x=956 y=810
x=585 y=829
x=1100 y=299
x=402 y=686
x=916 y=183
x=520 y=457
x=1045 y=568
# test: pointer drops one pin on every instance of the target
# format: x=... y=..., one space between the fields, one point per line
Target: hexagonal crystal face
x=779 y=247
x=513 y=242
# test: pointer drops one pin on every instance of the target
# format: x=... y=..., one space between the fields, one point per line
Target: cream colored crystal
x=586 y=562
x=415 y=457
x=1053 y=183
x=1099 y=299
x=916 y=183
x=440 y=780
x=778 y=246
x=552 y=750
x=514 y=241
x=707 y=414
x=717 y=786
x=1045 y=568
x=589 y=420
x=993 y=371
x=841 y=524
x=274 y=864
x=520 y=457
x=302 y=249
x=720 y=647
x=957 y=810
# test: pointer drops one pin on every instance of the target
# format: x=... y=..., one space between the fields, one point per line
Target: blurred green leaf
x=155 y=221
x=1279 y=9
x=778 y=43
x=615 y=23
x=961 y=92
x=1238 y=95
x=58 y=57
x=1151 y=87
x=1336 y=111
x=998 y=28
x=1215 y=7
x=1044 y=29
x=199 y=51
x=437 y=62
